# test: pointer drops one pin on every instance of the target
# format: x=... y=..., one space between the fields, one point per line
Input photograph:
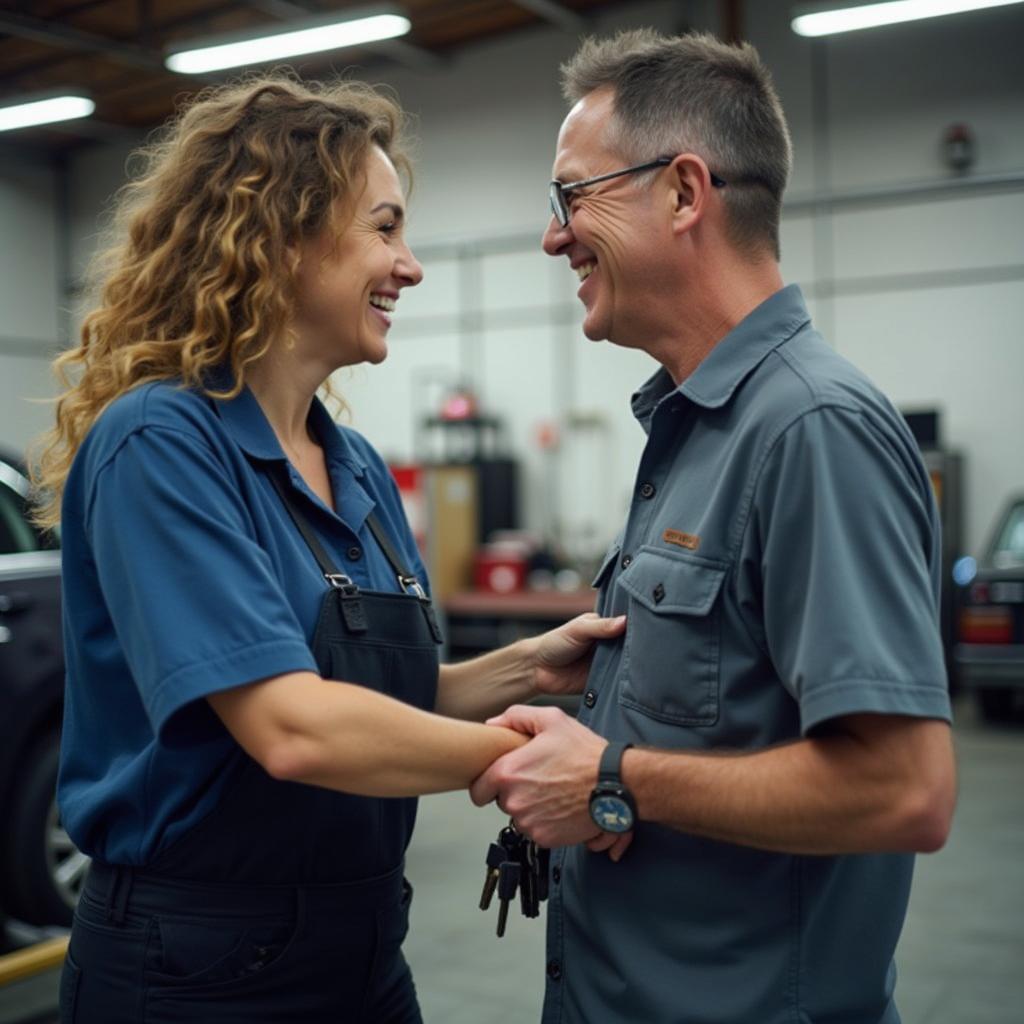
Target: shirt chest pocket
x=673 y=636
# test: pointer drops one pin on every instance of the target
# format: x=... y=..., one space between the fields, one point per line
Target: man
x=781 y=679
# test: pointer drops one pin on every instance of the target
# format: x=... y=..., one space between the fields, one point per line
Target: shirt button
x=626 y=559
x=648 y=491
x=590 y=698
x=354 y=553
x=554 y=970
x=556 y=874
x=659 y=593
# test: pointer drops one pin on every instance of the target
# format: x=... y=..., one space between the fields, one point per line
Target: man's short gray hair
x=695 y=94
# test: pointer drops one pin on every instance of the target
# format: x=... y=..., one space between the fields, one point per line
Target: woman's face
x=347 y=284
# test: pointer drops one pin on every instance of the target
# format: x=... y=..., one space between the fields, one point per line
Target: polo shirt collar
x=336 y=445
x=733 y=359
x=243 y=418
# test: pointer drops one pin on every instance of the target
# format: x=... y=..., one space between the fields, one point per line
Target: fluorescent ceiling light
x=44 y=111
x=851 y=19
x=325 y=33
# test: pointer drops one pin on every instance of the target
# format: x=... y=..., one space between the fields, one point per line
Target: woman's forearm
x=350 y=738
x=485 y=686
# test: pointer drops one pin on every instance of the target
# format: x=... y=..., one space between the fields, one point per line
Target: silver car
x=989 y=652
x=40 y=869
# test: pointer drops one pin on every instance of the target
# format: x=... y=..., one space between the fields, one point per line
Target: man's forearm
x=482 y=687
x=836 y=794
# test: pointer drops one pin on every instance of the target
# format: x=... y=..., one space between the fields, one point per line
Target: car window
x=15 y=532
x=18 y=533
x=1008 y=549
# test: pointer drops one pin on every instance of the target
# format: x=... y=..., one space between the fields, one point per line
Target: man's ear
x=691 y=191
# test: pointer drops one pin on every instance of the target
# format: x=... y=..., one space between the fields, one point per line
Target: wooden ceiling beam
x=68 y=37
x=399 y=50
x=96 y=130
x=553 y=12
x=731 y=18
x=409 y=55
x=199 y=20
x=283 y=9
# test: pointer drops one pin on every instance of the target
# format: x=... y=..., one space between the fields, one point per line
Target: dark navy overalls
x=288 y=902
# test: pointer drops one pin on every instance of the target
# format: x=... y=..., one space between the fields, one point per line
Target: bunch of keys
x=515 y=863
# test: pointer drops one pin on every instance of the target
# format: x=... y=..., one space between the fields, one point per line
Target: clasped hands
x=545 y=784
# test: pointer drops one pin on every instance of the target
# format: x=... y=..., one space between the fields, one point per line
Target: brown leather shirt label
x=683 y=540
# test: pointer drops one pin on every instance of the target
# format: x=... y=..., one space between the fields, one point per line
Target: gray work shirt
x=779 y=568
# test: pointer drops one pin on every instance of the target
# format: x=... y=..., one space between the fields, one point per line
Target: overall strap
x=350 y=602
x=406 y=580
x=323 y=560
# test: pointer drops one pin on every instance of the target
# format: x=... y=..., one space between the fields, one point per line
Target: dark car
x=40 y=869
x=989 y=652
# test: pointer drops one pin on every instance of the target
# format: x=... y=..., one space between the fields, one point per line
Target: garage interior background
x=913 y=271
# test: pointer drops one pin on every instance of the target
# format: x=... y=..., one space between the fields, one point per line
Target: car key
x=527 y=879
x=516 y=845
x=524 y=850
x=495 y=857
x=508 y=882
x=543 y=872
x=510 y=838
x=534 y=879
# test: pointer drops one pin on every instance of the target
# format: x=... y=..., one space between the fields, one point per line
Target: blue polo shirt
x=183 y=575
x=779 y=568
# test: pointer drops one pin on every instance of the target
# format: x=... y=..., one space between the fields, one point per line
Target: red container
x=499 y=571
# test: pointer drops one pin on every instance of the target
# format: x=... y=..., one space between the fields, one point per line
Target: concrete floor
x=961 y=958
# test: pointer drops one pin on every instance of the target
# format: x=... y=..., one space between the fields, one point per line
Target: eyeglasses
x=558 y=192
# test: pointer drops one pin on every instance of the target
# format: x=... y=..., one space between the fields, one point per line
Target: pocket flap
x=667 y=583
x=606 y=566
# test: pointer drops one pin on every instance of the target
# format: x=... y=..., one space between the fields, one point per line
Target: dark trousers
x=148 y=950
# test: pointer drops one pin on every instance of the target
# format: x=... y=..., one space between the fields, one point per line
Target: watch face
x=611 y=813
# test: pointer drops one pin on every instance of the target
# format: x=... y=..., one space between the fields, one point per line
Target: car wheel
x=996 y=703
x=44 y=870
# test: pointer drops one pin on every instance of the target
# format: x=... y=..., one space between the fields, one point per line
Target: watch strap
x=609 y=768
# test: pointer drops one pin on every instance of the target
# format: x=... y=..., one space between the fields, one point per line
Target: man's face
x=615 y=232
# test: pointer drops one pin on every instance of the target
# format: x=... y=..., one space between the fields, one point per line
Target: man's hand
x=545 y=786
x=562 y=656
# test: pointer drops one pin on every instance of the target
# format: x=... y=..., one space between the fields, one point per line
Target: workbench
x=479 y=621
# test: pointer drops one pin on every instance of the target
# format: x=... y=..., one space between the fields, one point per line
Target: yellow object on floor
x=24 y=963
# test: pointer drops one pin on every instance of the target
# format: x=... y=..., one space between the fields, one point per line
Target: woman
x=228 y=550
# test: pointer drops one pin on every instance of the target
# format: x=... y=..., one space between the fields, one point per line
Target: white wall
x=925 y=294
x=866 y=111
x=98 y=172
x=929 y=291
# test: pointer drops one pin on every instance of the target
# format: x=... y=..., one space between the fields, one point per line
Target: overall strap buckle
x=340 y=581
x=410 y=584
x=350 y=601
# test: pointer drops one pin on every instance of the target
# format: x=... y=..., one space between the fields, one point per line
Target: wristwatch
x=612 y=807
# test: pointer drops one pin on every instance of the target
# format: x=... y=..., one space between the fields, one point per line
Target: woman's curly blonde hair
x=199 y=274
